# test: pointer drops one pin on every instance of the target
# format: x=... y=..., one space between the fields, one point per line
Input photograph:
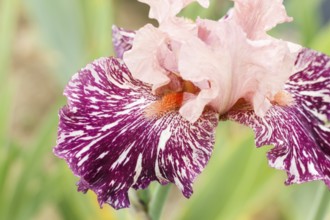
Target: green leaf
x=307 y=17
x=79 y=30
x=321 y=41
x=320 y=206
x=6 y=94
x=8 y=22
x=237 y=172
x=216 y=10
x=33 y=165
x=158 y=201
x=62 y=26
x=8 y=158
x=99 y=20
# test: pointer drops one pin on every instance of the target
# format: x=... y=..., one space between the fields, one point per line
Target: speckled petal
x=108 y=141
x=301 y=132
x=122 y=40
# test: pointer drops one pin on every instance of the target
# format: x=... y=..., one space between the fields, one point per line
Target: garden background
x=44 y=42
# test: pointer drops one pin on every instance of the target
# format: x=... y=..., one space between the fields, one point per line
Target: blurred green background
x=44 y=42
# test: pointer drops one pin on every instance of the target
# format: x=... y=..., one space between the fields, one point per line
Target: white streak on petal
x=138 y=168
x=312 y=170
x=293 y=169
x=178 y=183
x=164 y=137
x=83 y=160
x=122 y=156
x=76 y=133
x=102 y=155
x=86 y=148
x=279 y=162
x=109 y=126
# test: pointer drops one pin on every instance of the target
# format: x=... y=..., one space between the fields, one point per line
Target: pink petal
x=143 y=59
x=219 y=54
x=196 y=58
x=234 y=66
x=155 y=50
x=122 y=40
x=256 y=17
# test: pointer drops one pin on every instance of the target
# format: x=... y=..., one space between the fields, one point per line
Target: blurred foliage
x=51 y=40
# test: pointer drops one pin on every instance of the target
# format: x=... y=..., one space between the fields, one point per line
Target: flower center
x=283 y=98
x=169 y=102
x=171 y=96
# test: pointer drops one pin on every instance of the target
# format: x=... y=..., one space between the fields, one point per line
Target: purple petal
x=310 y=87
x=122 y=40
x=107 y=140
x=300 y=133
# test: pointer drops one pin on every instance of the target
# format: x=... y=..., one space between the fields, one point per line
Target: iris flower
x=150 y=113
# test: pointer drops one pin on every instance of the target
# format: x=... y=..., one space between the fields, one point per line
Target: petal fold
x=143 y=59
x=256 y=17
x=107 y=140
x=235 y=67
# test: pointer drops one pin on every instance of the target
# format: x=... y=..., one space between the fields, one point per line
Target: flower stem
x=321 y=203
x=144 y=199
x=158 y=201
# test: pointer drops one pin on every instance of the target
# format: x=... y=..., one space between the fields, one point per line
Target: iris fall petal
x=300 y=132
x=110 y=143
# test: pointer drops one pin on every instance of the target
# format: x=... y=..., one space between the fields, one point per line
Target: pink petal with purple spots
x=109 y=143
x=122 y=40
x=301 y=132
